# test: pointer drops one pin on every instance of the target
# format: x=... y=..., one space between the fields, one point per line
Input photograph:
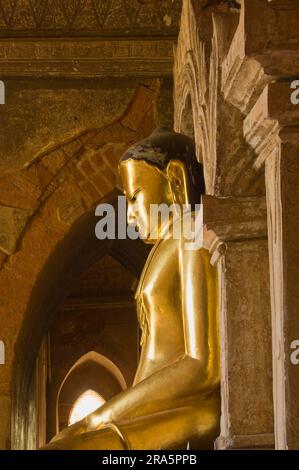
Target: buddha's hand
x=99 y=418
x=71 y=431
x=92 y=422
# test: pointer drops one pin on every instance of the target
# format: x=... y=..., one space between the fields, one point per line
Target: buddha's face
x=144 y=185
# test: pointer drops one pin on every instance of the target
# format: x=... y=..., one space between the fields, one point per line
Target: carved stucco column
x=237 y=66
x=272 y=128
x=235 y=214
x=236 y=236
x=257 y=75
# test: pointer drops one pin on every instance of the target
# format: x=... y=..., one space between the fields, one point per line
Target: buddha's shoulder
x=170 y=243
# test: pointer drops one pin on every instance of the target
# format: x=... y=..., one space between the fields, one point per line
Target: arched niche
x=78 y=250
x=86 y=403
x=101 y=360
x=93 y=371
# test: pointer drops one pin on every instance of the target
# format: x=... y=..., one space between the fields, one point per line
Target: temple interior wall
x=75 y=98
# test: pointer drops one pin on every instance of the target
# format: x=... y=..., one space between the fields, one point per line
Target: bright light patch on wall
x=88 y=402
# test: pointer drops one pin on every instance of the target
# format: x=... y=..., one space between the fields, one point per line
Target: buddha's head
x=161 y=169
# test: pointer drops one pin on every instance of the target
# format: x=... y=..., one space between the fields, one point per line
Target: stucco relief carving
x=191 y=79
x=203 y=72
x=70 y=211
x=80 y=17
x=12 y=223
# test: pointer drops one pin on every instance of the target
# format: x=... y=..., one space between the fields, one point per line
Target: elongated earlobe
x=177 y=178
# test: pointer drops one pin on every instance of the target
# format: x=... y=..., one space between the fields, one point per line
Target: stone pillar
x=238 y=67
x=282 y=176
x=257 y=75
x=236 y=236
x=287 y=319
x=276 y=143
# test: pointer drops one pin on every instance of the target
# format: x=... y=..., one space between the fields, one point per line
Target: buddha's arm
x=166 y=389
x=191 y=376
x=200 y=310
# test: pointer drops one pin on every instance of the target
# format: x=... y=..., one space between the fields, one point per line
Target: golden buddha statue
x=175 y=397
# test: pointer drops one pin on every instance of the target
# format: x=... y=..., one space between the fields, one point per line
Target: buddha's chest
x=158 y=295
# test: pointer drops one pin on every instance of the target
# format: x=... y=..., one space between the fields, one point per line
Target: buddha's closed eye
x=133 y=196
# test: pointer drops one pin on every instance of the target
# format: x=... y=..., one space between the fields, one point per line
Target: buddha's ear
x=177 y=177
